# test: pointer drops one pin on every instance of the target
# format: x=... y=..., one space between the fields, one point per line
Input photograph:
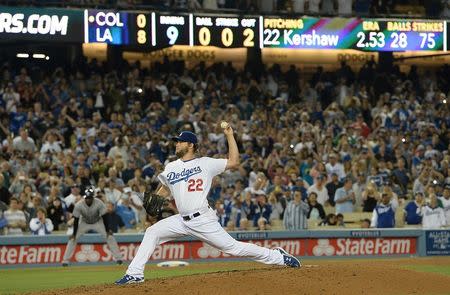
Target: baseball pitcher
x=188 y=181
x=90 y=214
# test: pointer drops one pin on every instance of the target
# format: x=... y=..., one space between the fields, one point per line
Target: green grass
x=441 y=269
x=27 y=280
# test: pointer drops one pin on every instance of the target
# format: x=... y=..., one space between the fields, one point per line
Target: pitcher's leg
x=213 y=234
x=163 y=231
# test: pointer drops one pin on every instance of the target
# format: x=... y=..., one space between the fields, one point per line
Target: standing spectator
x=320 y=190
x=370 y=197
x=295 y=216
x=3 y=221
x=299 y=185
x=332 y=186
x=126 y=211
x=248 y=208
x=277 y=207
x=316 y=211
x=237 y=219
x=345 y=197
x=119 y=150
x=16 y=219
x=384 y=214
x=359 y=187
x=445 y=200
x=114 y=221
x=5 y=195
x=263 y=210
x=433 y=216
x=52 y=142
x=23 y=143
x=55 y=213
x=333 y=166
x=412 y=215
x=73 y=196
x=41 y=225
x=402 y=175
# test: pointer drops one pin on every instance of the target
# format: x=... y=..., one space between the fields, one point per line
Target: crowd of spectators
x=313 y=147
x=428 y=8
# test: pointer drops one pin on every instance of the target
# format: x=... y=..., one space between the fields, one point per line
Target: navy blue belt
x=187 y=217
x=196 y=214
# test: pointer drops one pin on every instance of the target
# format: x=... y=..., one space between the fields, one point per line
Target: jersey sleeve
x=162 y=176
x=216 y=166
x=163 y=179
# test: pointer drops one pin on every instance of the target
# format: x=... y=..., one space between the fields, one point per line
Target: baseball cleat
x=127 y=279
x=65 y=264
x=119 y=262
x=289 y=260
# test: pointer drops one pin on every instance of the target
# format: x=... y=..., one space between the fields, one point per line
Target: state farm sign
x=43 y=254
x=93 y=253
x=296 y=247
x=361 y=247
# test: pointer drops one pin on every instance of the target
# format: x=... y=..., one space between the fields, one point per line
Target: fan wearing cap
x=445 y=200
x=188 y=180
x=90 y=215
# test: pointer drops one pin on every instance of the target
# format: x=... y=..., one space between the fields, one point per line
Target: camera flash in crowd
x=403 y=139
x=444 y=101
x=139 y=90
x=292 y=146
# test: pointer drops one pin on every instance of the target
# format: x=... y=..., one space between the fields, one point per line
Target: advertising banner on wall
x=41 y=24
x=196 y=250
x=362 y=247
x=438 y=242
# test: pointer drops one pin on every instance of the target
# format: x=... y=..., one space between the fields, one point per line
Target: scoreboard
x=232 y=31
x=147 y=30
x=360 y=34
x=225 y=31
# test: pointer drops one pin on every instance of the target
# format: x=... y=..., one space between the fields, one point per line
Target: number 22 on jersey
x=195 y=185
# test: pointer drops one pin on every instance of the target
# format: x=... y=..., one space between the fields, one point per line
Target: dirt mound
x=316 y=277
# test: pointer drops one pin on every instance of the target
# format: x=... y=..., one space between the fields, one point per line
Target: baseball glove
x=153 y=203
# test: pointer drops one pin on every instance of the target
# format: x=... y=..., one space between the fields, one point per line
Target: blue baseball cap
x=186 y=136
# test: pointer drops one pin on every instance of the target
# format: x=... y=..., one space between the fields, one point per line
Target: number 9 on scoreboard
x=172 y=30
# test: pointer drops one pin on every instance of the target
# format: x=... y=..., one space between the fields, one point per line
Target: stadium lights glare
x=22 y=55
x=39 y=55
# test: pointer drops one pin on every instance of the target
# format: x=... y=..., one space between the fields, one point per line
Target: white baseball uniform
x=189 y=183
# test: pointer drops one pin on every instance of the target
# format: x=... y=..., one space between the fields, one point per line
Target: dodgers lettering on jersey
x=190 y=181
x=185 y=174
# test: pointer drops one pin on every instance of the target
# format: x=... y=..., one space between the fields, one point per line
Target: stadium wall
x=49 y=250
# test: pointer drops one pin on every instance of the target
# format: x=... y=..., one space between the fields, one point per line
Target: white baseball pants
x=204 y=227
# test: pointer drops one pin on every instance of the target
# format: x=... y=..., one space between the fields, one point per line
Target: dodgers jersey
x=189 y=181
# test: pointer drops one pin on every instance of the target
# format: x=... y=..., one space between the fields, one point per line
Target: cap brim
x=175 y=138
